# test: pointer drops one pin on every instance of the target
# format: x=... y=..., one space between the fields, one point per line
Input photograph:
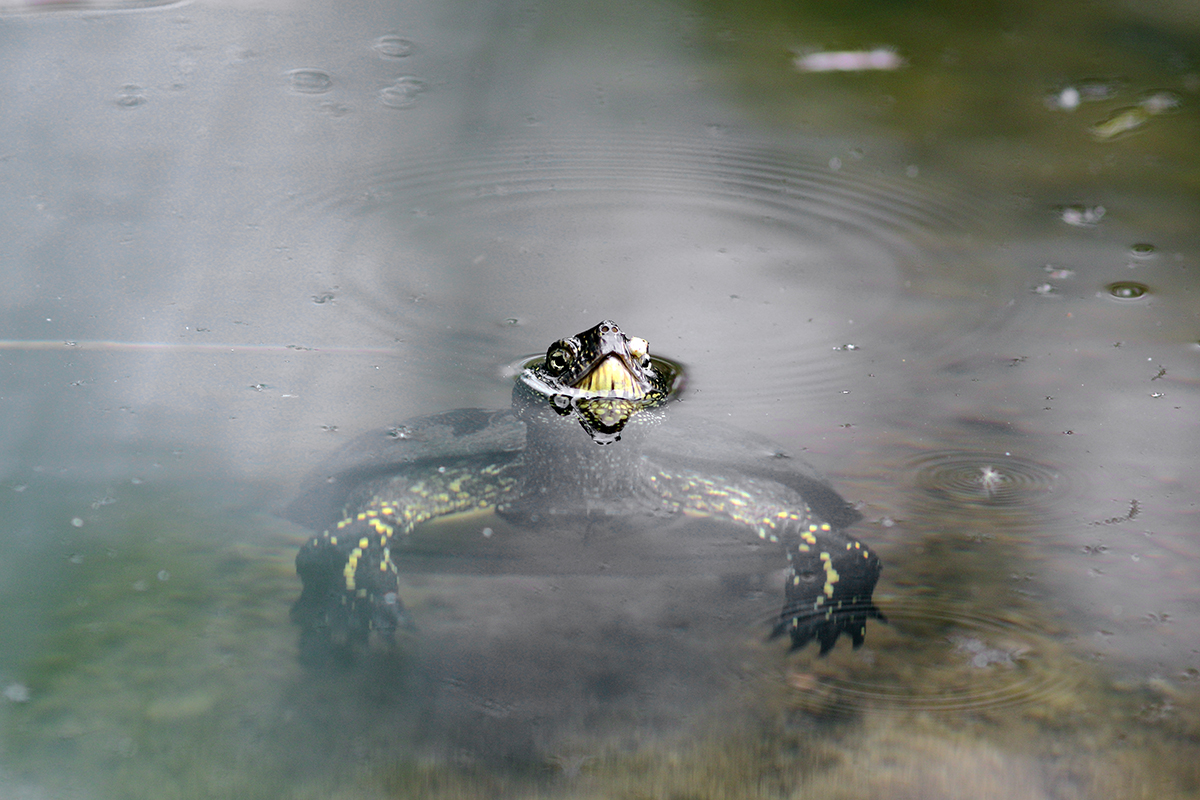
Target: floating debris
x=1121 y=121
x=1058 y=273
x=17 y=693
x=1081 y=216
x=1124 y=120
x=881 y=58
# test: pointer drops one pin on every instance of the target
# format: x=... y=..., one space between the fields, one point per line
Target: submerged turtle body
x=636 y=468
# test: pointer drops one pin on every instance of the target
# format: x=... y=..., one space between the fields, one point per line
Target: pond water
x=960 y=277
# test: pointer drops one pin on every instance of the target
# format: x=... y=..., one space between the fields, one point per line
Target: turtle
x=594 y=441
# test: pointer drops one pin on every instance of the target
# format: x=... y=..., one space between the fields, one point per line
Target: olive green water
x=244 y=234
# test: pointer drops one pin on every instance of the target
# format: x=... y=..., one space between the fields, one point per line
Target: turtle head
x=603 y=377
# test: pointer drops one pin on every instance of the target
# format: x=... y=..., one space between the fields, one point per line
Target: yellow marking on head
x=361 y=516
x=333 y=540
x=343 y=523
x=825 y=526
x=804 y=548
x=363 y=543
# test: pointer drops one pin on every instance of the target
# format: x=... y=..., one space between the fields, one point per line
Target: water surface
x=964 y=287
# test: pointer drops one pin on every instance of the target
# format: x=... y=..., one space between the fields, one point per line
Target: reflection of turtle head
x=602 y=377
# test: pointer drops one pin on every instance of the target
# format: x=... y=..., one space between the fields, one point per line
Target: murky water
x=963 y=285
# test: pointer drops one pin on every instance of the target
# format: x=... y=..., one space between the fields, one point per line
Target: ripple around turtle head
x=982 y=478
x=940 y=658
x=661 y=230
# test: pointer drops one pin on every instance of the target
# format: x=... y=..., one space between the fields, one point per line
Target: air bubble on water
x=403 y=93
x=393 y=46
x=1142 y=251
x=310 y=81
x=1128 y=290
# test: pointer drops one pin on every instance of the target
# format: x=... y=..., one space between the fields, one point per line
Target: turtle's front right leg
x=349 y=589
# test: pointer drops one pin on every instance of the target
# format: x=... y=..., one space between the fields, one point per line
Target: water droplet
x=1128 y=290
x=392 y=46
x=130 y=96
x=310 y=81
x=403 y=93
x=1142 y=250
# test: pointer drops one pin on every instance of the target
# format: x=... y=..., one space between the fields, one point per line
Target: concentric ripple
x=677 y=230
x=981 y=478
x=954 y=661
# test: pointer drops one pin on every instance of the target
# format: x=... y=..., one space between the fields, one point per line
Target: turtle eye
x=560 y=355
